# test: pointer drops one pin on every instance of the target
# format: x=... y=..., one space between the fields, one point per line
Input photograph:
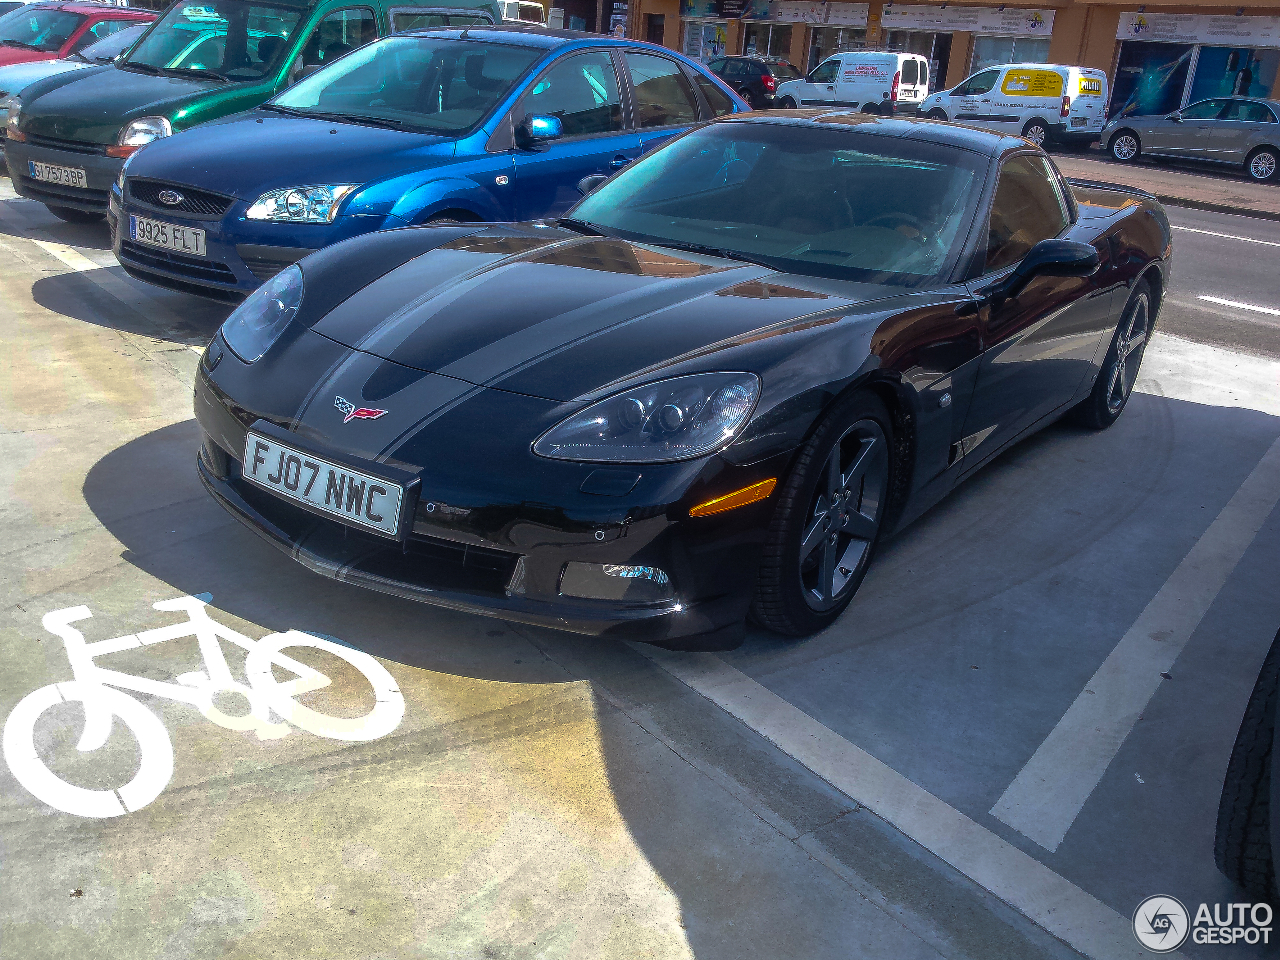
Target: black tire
x=787 y=103
x=1037 y=131
x=805 y=582
x=871 y=108
x=1120 y=366
x=1242 y=843
x=746 y=95
x=1263 y=165
x=936 y=114
x=1125 y=146
x=74 y=216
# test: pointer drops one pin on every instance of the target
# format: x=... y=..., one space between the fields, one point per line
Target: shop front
x=1167 y=60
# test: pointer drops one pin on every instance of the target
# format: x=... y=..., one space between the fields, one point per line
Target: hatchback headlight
x=140 y=132
x=317 y=204
x=13 y=110
x=677 y=419
x=258 y=322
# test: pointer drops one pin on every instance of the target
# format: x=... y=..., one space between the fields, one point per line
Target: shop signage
x=1200 y=28
x=988 y=21
x=806 y=11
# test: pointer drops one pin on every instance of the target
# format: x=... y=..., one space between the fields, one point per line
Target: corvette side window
x=582 y=91
x=1028 y=208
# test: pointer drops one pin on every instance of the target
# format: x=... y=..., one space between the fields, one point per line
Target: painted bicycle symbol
x=273 y=704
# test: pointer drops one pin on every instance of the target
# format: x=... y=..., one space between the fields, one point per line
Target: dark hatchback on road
x=708 y=391
x=492 y=124
x=755 y=78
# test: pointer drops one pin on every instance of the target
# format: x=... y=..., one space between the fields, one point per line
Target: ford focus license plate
x=53 y=173
x=336 y=491
x=169 y=236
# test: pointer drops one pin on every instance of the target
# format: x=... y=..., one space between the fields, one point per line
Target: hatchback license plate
x=336 y=491
x=168 y=236
x=53 y=173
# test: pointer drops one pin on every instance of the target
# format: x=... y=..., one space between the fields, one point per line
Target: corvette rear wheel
x=827 y=520
x=1120 y=366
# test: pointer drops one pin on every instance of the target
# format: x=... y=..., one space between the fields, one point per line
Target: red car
x=48 y=31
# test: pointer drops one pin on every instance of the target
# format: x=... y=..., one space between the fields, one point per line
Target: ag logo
x=1161 y=924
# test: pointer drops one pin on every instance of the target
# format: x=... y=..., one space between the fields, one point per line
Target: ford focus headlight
x=301 y=204
x=258 y=322
x=677 y=419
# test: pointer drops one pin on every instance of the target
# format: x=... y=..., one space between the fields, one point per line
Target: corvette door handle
x=618 y=162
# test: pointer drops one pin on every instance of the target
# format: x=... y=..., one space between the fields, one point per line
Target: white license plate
x=169 y=236
x=337 y=491
x=62 y=176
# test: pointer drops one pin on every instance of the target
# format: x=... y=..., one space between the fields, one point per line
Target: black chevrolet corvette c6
x=706 y=394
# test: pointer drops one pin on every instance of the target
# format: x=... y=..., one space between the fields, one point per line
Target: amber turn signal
x=120 y=152
x=739 y=498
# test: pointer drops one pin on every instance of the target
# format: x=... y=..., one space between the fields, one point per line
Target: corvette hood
x=558 y=315
x=272 y=150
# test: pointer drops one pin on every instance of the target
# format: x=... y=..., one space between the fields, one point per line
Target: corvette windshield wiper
x=580 y=226
x=713 y=252
x=200 y=74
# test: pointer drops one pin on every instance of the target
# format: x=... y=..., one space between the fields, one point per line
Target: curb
x=1216 y=207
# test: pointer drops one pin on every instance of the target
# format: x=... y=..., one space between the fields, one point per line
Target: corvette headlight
x=258 y=322
x=138 y=133
x=301 y=204
x=676 y=419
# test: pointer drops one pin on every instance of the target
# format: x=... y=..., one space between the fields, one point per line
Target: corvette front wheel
x=827 y=520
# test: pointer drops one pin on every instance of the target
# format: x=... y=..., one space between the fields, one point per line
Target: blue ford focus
x=494 y=124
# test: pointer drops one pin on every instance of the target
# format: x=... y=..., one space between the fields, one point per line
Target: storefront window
x=704 y=40
x=829 y=40
x=1234 y=71
x=994 y=51
x=767 y=40
x=1150 y=78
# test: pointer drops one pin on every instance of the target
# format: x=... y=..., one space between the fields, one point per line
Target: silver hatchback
x=1236 y=130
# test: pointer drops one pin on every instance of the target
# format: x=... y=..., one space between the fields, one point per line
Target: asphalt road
x=1228 y=258
x=895 y=787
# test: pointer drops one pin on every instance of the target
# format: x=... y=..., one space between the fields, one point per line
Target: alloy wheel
x=844 y=516
x=1262 y=166
x=1131 y=341
x=1036 y=134
x=1124 y=147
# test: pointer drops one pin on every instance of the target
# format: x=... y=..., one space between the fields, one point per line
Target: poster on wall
x=984 y=20
x=1199 y=28
x=1235 y=72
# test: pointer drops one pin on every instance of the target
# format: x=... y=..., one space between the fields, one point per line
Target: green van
x=70 y=135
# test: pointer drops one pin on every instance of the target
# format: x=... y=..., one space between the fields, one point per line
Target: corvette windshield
x=829 y=202
x=429 y=83
x=41 y=29
x=226 y=39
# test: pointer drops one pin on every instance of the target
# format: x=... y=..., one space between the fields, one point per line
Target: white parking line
x=1240 y=306
x=1063 y=909
x=1226 y=236
x=1049 y=792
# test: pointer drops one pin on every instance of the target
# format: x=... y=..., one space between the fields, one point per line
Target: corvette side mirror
x=587 y=184
x=536 y=131
x=1050 y=258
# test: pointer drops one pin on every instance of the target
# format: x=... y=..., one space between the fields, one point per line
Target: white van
x=884 y=83
x=1044 y=102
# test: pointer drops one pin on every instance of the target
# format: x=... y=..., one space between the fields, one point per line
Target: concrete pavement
x=1200 y=187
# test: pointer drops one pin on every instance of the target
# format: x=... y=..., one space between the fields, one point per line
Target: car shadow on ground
x=34 y=216
x=1041 y=505
x=177 y=317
